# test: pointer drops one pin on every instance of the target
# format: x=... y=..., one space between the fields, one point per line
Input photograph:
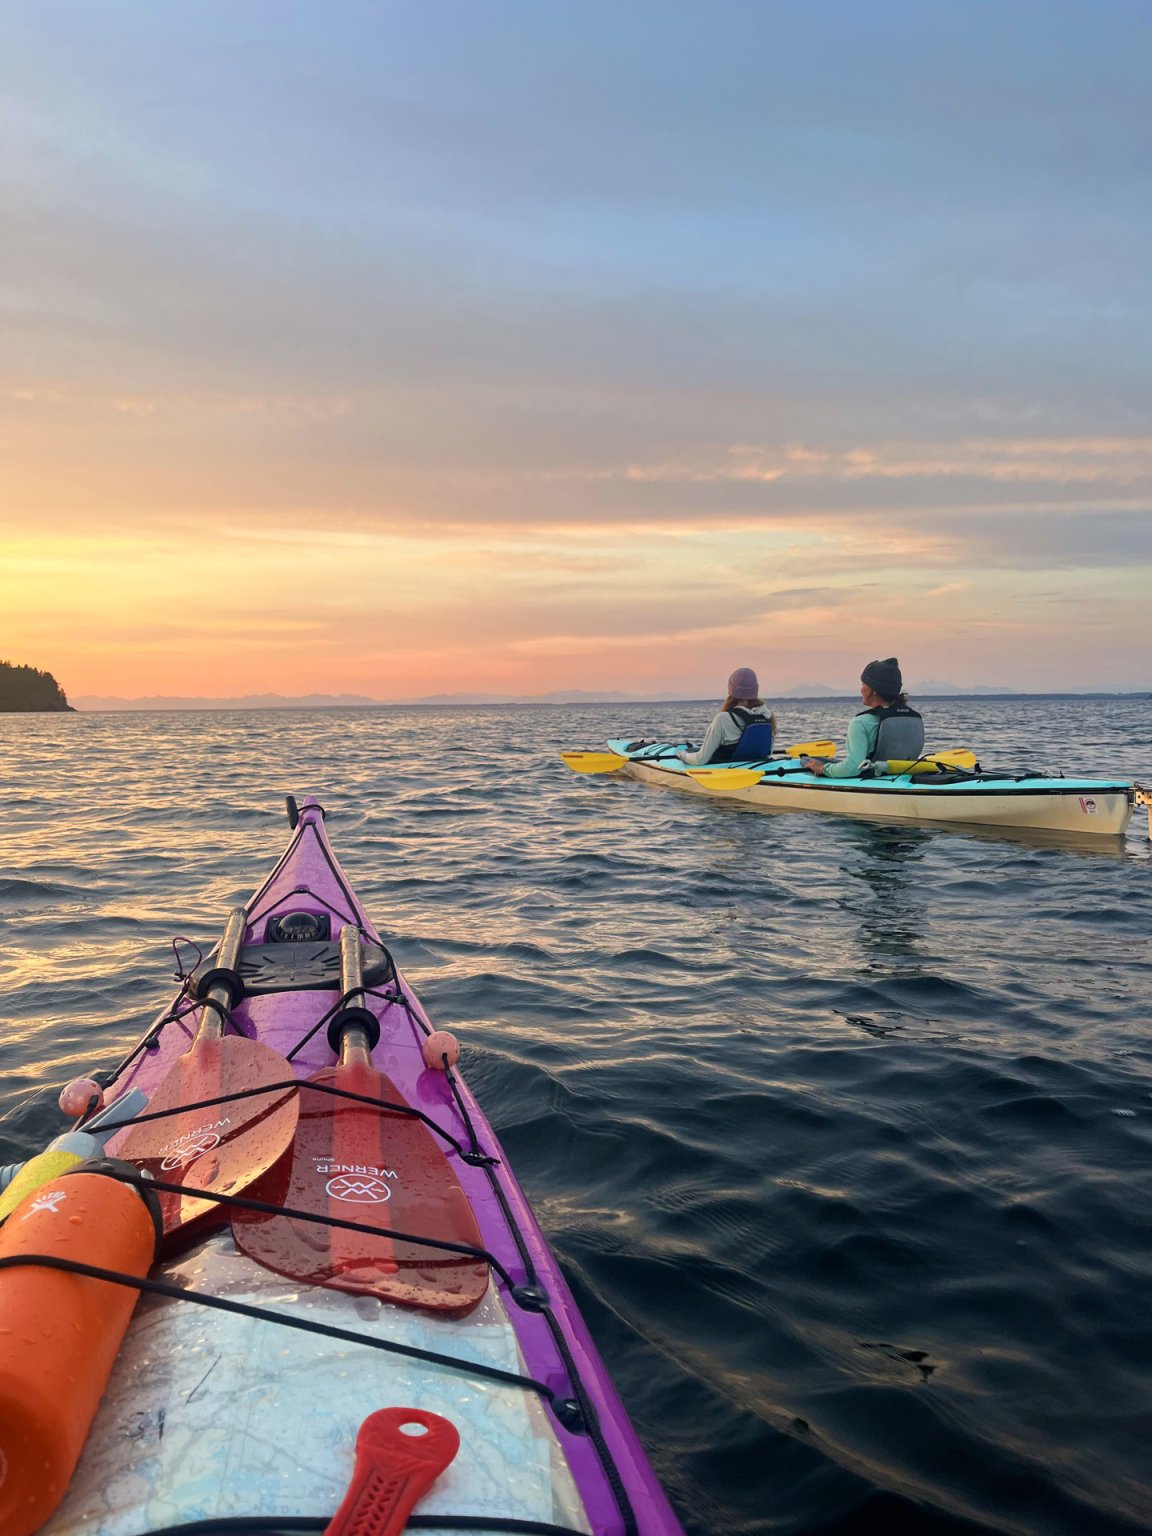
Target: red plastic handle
x=395 y=1467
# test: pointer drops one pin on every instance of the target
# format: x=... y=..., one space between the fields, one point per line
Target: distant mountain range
x=245 y=701
x=344 y=700
x=931 y=688
x=934 y=689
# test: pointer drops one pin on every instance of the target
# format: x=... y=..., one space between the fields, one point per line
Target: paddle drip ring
x=362 y=1019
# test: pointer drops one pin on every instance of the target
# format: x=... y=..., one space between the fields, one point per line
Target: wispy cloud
x=1063 y=461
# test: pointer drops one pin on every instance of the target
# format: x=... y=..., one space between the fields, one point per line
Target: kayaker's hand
x=815 y=765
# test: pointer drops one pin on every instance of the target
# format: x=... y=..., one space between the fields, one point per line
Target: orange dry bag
x=59 y=1332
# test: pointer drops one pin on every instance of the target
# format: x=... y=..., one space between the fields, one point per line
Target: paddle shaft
x=769 y=771
x=348 y=1127
x=744 y=776
x=211 y=1025
x=611 y=761
x=354 y=1045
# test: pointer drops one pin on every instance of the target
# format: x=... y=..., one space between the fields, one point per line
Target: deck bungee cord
x=55 y=1261
x=473 y=1154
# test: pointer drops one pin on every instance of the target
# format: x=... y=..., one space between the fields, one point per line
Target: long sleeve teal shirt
x=862 y=733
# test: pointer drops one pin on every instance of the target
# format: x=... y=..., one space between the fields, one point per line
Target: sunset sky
x=520 y=345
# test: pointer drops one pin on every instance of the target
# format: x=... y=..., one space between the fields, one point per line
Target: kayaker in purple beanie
x=887 y=727
x=743 y=730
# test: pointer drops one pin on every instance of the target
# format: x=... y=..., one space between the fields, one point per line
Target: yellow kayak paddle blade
x=594 y=762
x=958 y=757
x=812 y=749
x=725 y=778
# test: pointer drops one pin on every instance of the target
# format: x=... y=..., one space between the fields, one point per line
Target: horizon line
x=179 y=703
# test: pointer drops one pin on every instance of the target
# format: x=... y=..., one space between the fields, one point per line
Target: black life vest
x=901 y=732
x=755 y=738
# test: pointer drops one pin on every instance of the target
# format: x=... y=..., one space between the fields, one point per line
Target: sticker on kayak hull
x=1088 y=806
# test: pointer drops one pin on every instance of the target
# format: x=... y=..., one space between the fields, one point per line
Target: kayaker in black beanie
x=885 y=679
x=887 y=726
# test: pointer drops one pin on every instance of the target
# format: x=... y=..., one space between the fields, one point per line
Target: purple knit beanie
x=743 y=684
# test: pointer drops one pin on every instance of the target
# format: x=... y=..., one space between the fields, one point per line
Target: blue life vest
x=901 y=732
x=755 y=738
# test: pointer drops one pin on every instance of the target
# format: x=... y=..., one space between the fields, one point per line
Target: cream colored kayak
x=1097 y=807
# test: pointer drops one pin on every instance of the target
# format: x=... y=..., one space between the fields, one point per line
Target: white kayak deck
x=211 y=1415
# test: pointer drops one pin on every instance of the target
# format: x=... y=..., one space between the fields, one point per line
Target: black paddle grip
x=361 y=1017
x=220 y=976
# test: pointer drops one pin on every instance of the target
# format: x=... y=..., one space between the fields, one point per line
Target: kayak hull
x=210 y=1415
x=1085 y=807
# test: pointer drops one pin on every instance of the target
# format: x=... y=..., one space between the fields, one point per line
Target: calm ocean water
x=842 y=1130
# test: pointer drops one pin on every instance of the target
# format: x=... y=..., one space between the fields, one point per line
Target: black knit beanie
x=883 y=677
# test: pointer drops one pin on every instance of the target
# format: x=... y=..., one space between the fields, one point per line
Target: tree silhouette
x=27 y=688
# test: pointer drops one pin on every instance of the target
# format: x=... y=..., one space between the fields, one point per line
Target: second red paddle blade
x=223 y=1148
x=375 y=1166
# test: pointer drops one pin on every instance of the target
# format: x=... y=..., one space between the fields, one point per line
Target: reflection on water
x=889 y=890
x=842 y=1130
x=1090 y=845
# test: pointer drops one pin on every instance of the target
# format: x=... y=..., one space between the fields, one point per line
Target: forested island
x=27 y=688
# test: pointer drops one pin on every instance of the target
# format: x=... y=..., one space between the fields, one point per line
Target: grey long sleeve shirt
x=722 y=731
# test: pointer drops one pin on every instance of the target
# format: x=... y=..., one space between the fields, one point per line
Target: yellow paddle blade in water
x=594 y=762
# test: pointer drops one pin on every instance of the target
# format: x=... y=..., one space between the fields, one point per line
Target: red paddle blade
x=225 y=1147
x=385 y=1169
x=400 y=1452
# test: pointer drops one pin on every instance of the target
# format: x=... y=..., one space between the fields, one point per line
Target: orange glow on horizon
x=486 y=593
